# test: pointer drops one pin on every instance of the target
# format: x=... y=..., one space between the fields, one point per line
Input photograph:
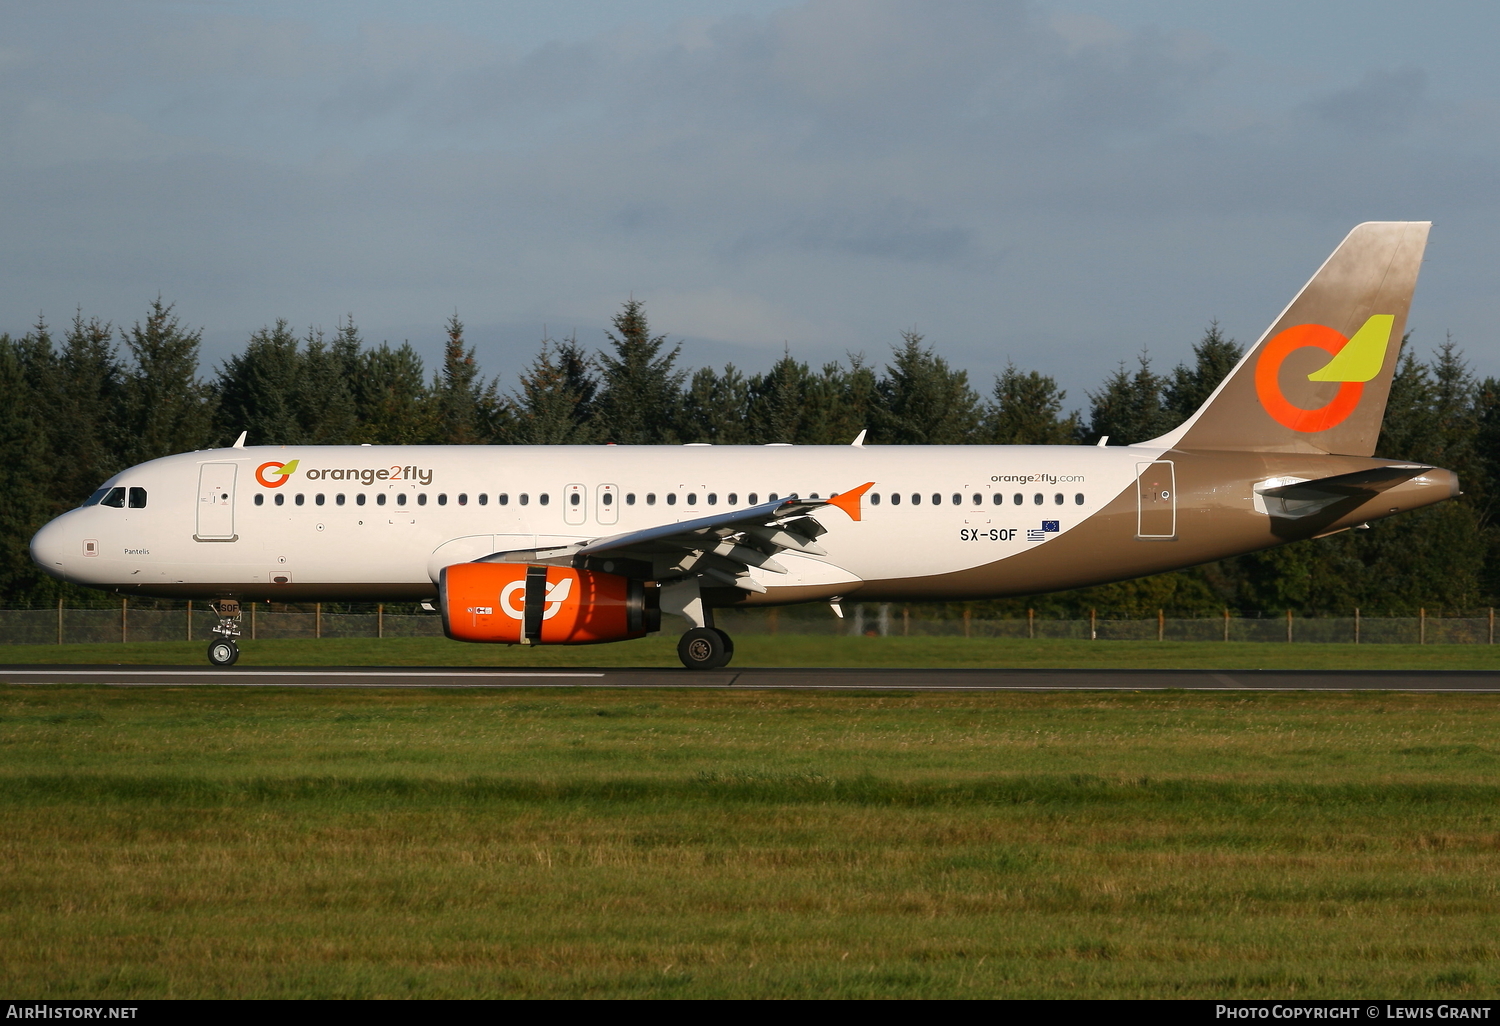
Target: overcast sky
x=1061 y=184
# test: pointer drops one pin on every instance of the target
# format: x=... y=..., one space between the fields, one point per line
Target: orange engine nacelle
x=522 y=604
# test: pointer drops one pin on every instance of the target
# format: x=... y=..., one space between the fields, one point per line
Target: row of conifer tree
x=79 y=404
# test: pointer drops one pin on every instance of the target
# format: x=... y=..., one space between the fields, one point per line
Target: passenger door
x=216 y=502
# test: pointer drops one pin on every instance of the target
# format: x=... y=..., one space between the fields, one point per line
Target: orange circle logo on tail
x=1268 y=382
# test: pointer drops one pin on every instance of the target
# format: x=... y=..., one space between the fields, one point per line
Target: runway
x=1478 y=681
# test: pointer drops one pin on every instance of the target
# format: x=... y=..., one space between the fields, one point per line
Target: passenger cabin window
x=574 y=499
x=318 y=498
x=544 y=498
x=671 y=498
x=401 y=498
x=895 y=498
x=1036 y=500
x=463 y=498
x=280 y=498
x=380 y=498
x=359 y=500
x=713 y=499
x=916 y=499
x=958 y=500
x=772 y=497
x=114 y=497
x=1019 y=498
x=978 y=499
x=338 y=499
x=630 y=498
x=608 y=498
x=1057 y=500
x=692 y=500
x=260 y=498
x=301 y=499
x=503 y=499
x=997 y=498
x=874 y=498
x=483 y=499
x=1078 y=499
x=137 y=498
x=937 y=500
x=524 y=498
x=442 y=498
x=752 y=498
x=733 y=499
x=422 y=499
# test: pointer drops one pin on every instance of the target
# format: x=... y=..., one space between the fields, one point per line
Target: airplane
x=566 y=545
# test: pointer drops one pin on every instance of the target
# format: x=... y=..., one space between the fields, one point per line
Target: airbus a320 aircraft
x=568 y=545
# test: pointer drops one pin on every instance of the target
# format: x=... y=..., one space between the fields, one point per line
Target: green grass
x=182 y=842
x=794 y=650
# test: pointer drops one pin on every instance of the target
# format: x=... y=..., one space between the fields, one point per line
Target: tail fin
x=1318 y=379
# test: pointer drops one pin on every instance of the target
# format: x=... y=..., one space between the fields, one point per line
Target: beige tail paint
x=1318 y=379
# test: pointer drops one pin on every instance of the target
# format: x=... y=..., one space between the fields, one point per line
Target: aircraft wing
x=722 y=546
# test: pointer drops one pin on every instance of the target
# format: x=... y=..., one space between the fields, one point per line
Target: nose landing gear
x=224 y=650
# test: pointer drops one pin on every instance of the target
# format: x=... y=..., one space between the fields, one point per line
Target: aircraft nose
x=49 y=548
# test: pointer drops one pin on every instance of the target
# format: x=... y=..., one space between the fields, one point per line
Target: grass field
x=794 y=650
x=263 y=842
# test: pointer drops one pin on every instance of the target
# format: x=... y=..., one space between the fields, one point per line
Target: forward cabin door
x=216 y=502
x=1156 y=500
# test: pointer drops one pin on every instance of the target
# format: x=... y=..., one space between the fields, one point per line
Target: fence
x=194 y=622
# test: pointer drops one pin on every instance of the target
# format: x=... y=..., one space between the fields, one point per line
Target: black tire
x=728 y=646
x=702 y=648
x=223 y=652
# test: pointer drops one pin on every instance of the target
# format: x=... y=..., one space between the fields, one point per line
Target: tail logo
x=1354 y=361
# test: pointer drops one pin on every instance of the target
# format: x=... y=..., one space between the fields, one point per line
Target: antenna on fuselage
x=239 y=443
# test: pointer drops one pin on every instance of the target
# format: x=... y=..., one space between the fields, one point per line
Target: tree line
x=80 y=404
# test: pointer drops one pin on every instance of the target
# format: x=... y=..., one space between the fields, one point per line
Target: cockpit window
x=114 y=497
x=137 y=498
x=94 y=500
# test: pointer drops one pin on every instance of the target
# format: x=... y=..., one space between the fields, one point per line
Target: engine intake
x=528 y=604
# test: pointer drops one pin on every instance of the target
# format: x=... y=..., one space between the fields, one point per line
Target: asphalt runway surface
x=762 y=679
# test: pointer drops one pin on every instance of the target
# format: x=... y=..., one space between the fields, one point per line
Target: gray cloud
x=1058 y=190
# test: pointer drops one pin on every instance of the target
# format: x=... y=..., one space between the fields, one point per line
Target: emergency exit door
x=216 y=502
x=1156 y=500
x=607 y=504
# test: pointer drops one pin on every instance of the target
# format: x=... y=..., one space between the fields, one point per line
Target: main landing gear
x=224 y=650
x=705 y=648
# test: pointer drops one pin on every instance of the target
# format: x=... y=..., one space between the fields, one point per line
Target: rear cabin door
x=1156 y=500
x=216 y=502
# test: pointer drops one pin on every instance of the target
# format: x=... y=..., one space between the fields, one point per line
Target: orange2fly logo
x=274 y=475
x=1355 y=361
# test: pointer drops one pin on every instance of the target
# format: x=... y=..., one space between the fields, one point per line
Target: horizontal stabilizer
x=1304 y=498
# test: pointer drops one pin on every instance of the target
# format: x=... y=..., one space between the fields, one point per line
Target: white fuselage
x=381 y=521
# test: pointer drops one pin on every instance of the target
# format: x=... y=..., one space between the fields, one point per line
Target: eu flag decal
x=1050 y=526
